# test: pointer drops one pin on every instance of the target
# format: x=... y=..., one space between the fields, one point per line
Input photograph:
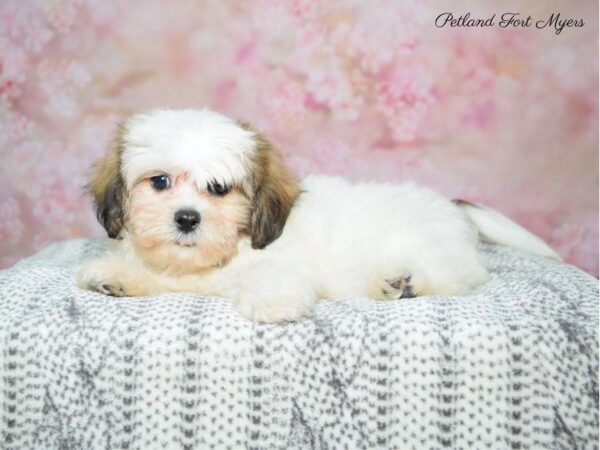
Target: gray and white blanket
x=512 y=367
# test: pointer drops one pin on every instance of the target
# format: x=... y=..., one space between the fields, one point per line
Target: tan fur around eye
x=151 y=229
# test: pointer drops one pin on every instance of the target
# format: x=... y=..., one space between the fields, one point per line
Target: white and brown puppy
x=199 y=202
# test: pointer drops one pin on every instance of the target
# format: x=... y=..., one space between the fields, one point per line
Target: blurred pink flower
x=480 y=114
x=327 y=156
x=15 y=63
x=304 y=9
x=364 y=89
x=404 y=96
x=60 y=82
x=13 y=128
x=11 y=226
x=62 y=13
x=285 y=103
x=332 y=87
x=378 y=36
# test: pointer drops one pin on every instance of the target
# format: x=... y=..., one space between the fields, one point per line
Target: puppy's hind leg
x=389 y=283
x=435 y=271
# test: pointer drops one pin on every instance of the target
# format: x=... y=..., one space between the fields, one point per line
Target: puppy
x=198 y=202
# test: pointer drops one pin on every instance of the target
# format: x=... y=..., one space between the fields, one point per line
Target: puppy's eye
x=160 y=182
x=218 y=189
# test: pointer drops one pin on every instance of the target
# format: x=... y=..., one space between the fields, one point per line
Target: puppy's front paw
x=114 y=290
x=99 y=276
x=273 y=307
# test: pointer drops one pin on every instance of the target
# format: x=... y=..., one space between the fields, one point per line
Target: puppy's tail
x=494 y=227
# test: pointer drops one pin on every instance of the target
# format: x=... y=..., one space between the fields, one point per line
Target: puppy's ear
x=275 y=190
x=108 y=188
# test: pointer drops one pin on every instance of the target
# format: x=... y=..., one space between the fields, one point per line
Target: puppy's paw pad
x=106 y=288
x=100 y=276
x=398 y=287
x=392 y=286
x=114 y=290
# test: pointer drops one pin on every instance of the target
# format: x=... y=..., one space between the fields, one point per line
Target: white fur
x=208 y=145
x=340 y=240
x=497 y=228
x=345 y=240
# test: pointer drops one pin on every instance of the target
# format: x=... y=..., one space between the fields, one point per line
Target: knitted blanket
x=513 y=366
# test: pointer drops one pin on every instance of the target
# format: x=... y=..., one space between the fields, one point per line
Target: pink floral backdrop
x=368 y=89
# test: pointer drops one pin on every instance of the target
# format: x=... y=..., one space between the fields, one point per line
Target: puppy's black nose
x=187 y=219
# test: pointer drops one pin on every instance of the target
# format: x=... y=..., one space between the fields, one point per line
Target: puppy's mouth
x=185 y=242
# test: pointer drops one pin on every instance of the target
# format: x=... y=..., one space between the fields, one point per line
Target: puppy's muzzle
x=187 y=220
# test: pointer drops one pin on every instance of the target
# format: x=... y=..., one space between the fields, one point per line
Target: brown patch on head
x=108 y=188
x=274 y=191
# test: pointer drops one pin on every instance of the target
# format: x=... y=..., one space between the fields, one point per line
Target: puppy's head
x=185 y=186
